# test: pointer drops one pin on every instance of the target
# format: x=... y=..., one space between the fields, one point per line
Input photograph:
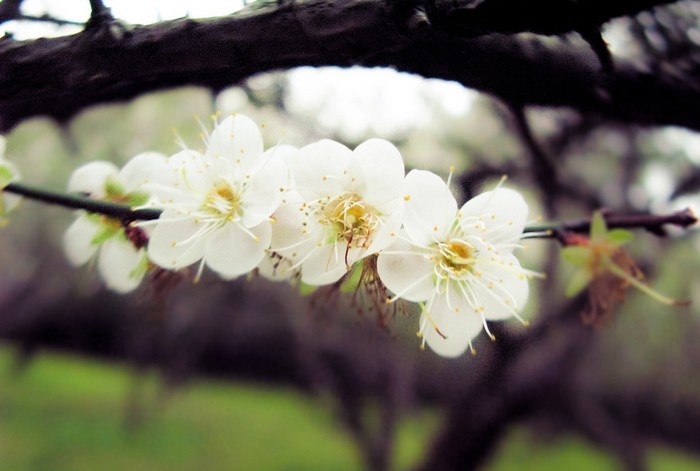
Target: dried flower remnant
x=606 y=269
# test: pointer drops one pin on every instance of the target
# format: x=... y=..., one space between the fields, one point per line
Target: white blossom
x=458 y=263
x=218 y=205
x=121 y=258
x=346 y=206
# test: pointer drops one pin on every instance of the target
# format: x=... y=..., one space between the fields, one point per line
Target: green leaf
x=140 y=270
x=576 y=255
x=137 y=198
x=352 y=281
x=113 y=188
x=578 y=283
x=598 y=226
x=5 y=176
x=619 y=237
x=104 y=233
x=306 y=290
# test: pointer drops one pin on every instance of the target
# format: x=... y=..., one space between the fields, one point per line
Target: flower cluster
x=311 y=214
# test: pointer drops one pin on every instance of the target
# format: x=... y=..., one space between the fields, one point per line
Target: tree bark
x=109 y=61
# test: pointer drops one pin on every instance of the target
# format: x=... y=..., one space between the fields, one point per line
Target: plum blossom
x=218 y=205
x=121 y=257
x=346 y=206
x=457 y=262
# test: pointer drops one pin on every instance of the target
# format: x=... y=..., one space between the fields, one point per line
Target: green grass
x=522 y=450
x=67 y=413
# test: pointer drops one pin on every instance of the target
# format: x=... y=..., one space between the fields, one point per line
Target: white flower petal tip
x=91 y=177
x=430 y=208
x=121 y=265
x=500 y=213
x=236 y=139
x=448 y=327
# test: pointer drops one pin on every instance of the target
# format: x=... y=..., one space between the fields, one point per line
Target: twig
x=98 y=8
x=118 y=211
x=100 y=15
x=653 y=223
x=49 y=19
x=10 y=10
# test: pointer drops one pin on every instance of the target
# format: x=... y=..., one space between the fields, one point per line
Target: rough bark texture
x=108 y=61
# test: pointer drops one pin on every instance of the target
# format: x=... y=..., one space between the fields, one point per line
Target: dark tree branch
x=10 y=10
x=117 y=211
x=60 y=76
x=473 y=17
x=651 y=222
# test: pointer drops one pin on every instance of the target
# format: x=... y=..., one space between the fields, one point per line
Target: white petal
x=174 y=243
x=90 y=178
x=192 y=172
x=500 y=215
x=286 y=153
x=264 y=193
x=322 y=169
x=503 y=287
x=77 y=241
x=10 y=201
x=325 y=265
x=430 y=208
x=236 y=139
x=143 y=169
x=409 y=275
x=231 y=252
x=383 y=171
x=387 y=233
x=457 y=323
x=116 y=264
x=275 y=268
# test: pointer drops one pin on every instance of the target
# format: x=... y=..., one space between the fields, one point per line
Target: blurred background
x=252 y=375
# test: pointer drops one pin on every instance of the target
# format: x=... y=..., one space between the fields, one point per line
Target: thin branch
x=98 y=7
x=653 y=223
x=49 y=19
x=114 y=210
x=10 y=10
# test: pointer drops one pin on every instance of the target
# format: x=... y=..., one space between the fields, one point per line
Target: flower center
x=456 y=258
x=223 y=201
x=350 y=218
